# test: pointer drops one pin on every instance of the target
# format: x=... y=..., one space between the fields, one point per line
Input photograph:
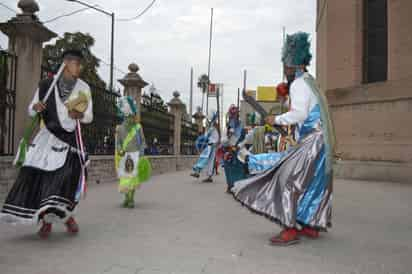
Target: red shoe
x=45 y=230
x=309 y=232
x=72 y=226
x=288 y=236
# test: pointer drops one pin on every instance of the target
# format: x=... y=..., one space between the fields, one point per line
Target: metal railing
x=8 y=78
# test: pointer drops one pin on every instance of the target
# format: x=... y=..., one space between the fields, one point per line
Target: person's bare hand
x=39 y=107
x=270 y=119
x=75 y=115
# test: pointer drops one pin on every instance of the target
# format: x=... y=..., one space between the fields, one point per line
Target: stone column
x=199 y=118
x=26 y=37
x=133 y=85
x=176 y=108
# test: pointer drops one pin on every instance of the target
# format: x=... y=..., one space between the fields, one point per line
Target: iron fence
x=8 y=77
x=99 y=136
x=188 y=137
x=157 y=126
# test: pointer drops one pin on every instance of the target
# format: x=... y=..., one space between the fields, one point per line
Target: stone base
x=374 y=171
x=101 y=169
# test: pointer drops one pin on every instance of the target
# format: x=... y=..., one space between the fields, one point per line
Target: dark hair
x=70 y=53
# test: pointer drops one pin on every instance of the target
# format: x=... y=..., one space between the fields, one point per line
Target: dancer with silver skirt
x=294 y=188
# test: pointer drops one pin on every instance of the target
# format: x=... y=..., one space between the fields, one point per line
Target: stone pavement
x=182 y=226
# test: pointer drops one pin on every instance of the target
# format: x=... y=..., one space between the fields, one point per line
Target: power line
x=65 y=15
x=7 y=7
x=138 y=15
x=115 y=68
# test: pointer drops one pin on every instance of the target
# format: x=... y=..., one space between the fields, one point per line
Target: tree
x=80 y=41
x=203 y=83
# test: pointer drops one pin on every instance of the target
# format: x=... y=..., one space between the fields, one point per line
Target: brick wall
x=101 y=169
x=372 y=121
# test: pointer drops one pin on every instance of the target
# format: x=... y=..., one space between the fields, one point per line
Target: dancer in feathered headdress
x=207 y=143
x=131 y=165
x=295 y=190
x=235 y=134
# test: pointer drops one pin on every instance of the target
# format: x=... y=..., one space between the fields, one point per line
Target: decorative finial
x=133 y=67
x=176 y=94
x=28 y=6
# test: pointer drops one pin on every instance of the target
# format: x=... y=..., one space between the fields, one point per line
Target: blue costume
x=234 y=169
x=207 y=143
x=294 y=188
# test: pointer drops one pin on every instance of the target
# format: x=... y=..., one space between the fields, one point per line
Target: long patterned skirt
x=234 y=170
x=206 y=161
x=294 y=190
x=38 y=194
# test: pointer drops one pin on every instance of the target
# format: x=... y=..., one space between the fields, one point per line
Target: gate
x=8 y=76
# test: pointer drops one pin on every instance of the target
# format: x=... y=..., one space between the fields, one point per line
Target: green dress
x=129 y=148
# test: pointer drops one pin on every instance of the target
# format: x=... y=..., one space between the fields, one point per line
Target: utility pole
x=210 y=57
x=112 y=55
x=191 y=93
x=283 y=66
x=238 y=98
x=244 y=80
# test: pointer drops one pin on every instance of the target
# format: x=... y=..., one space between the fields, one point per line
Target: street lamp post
x=111 y=14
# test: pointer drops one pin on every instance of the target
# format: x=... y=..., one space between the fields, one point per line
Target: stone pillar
x=176 y=108
x=199 y=118
x=26 y=37
x=133 y=85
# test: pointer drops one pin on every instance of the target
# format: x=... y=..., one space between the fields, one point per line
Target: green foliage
x=203 y=82
x=80 y=41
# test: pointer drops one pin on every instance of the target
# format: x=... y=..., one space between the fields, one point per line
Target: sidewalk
x=185 y=227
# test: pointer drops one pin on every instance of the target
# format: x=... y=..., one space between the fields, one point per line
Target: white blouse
x=47 y=152
x=302 y=102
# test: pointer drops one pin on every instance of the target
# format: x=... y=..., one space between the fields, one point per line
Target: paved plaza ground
x=185 y=227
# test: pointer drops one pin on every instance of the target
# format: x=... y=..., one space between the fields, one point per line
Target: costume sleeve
x=248 y=139
x=88 y=114
x=300 y=102
x=118 y=142
x=214 y=137
x=143 y=145
x=34 y=101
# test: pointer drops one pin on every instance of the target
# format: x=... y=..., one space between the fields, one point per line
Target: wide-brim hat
x=72 y=54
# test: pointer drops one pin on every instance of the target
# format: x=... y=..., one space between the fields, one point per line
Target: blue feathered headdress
x=296 y=50
x=126 y=106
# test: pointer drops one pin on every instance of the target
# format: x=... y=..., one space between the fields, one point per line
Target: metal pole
x=283 y=44
x=283 y=66
x=210 y=56
x=218 y=105
x=207 y=99
x=112 y=37
x=191 y=93
x=244 y=80
x=90 y=6
x=203 y=99
x=222 y=107
x=238 y=97
x=112 y=55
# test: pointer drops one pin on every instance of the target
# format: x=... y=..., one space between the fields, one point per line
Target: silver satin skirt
x=295 y=190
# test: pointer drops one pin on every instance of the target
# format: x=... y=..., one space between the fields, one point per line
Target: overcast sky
x=174 y=36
